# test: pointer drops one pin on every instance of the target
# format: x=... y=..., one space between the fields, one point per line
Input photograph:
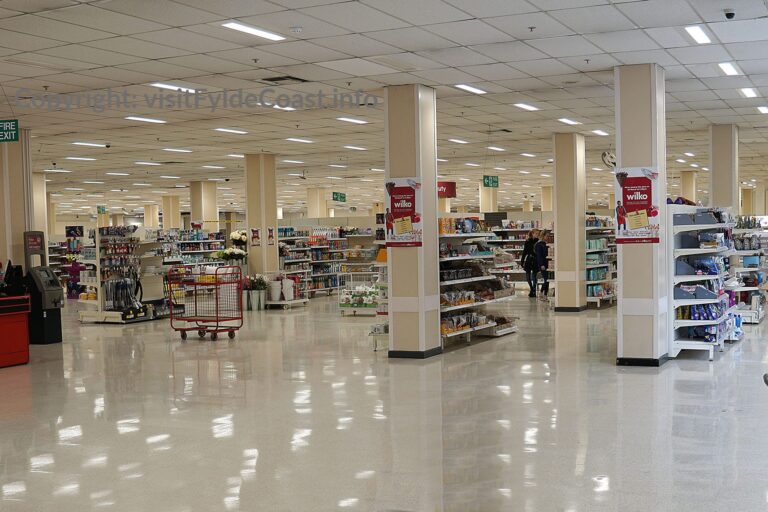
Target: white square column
x=261 y=211
x=724 y=166
x=642 y=278
x=203 y=203
x=171 y=212
x=414 y=288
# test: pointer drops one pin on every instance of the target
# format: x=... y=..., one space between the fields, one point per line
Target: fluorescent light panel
x=147 y=163
x=356 y=148
x=525 y=106
x=292 y=161
x=236 y=155
x=172 y=87
x=529 y=155
x=145 y=119
x=458 y=141
x=81 y=158
x=297 y=139
x=469 y=88
x=89 y=144
x=729 y=69
x=118 y=174
x=62 y=171
x=351 y=120
x=176 y=150
x=748 y=92
x=254 y=31
x=698 y=34
x=495 y=148
x=602 y=133
x=568 y=121
x=231 y=130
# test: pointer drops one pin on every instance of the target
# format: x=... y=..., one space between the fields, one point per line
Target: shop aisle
x=298 y=413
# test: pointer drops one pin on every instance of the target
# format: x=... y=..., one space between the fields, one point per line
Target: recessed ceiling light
x=278 y=107
x=705 y=168
x=365 y=179
x=546 y=175
x=147 y=163
x=748 y=92
x=524 y=172
x=295 y=174
x=351 y=120
x=56 y=171
x=597 y=168
x=334 y=178
x=90 y=144
x=73 y=189
x=145 y=119
x=602 y=133
x=175 y=150
x=568 y=121
x=442 y=160
x=172 y=87
x=698 y=34
x=729 y=69
x=216 y=179
x=236 y=155
x=296 y=139
x=82 y=158
x=356 y=148
x=93 y=182
x=458 y=141
x=292 y=161
x=159 y=192
x=213 y=167
x=463 y=179
x=231 y=130
x=689 y=154
x=338 y=166
x=170 y=177
x=499 y=168
x=763 y=110
x=680 y=161
x=495 y=148
x=529 y=155
x=469 y=88
x=695 y=165
x=525 y=106
x=142 y=185
x=374 y=169
x=241 y=27
x=472 y=164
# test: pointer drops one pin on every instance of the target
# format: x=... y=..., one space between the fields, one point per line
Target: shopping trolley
x=206 y=300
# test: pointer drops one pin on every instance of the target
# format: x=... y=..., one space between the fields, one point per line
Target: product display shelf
x=699 y=315
x=319 y=247
x=381 y=329
x=467 y=285
x=295 y=260
x=513 y=240
x=749 y=267
x=600 y=250
x=57 y=258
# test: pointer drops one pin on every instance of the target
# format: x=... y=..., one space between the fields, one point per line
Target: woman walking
x=528 y=261
x=542 y=262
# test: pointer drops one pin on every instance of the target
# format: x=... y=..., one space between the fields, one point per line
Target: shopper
x=528 y=261
x=541 y=251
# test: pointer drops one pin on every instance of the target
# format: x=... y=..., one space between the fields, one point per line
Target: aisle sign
x=340 y=197
x=636 y=212
x=446 y=189
x=100 y=209
x=9 y=130
x=491 y=181
x=402 y=217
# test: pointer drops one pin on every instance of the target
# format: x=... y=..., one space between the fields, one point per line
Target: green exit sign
x=491 y=181
x=9 y=130
x=340 y=197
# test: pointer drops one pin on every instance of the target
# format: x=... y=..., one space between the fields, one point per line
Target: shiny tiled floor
x=299 y=414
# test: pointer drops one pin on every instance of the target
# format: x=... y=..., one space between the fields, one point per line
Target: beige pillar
x=17 y=198
x=444 y=204
x=546 y=198
x=151 y=216
x=102 y=220
x=414 y=288
x=747 y=203
x=317 y=207
x=611 y=201
x=118 y=219
x=171 y=212
x=642 y=276
x=570 y=221
x=51 y=215
x=39 y=203
x=330 y=212
x=378 y=207
x=261 y=211
x=527 y=205
x=758 y=199
x=202 y=202
x=279 y=212
x=488 y=199
x=688 y=185
x=724 y=165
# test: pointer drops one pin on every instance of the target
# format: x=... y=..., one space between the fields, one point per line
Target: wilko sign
x=446 y=189
x=636 y=210
x=402 y=217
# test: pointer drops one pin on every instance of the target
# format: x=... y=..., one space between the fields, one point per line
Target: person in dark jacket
x=528 y=261
x=542 y=262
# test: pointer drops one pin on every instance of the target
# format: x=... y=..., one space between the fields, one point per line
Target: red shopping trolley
x=206 y=300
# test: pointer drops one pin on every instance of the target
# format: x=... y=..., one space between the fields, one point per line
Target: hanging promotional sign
x=255 y=237
x=636 y=211
x=402 y=216
x=446 y=189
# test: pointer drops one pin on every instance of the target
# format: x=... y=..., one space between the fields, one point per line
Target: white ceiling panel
x=705 y=70
x=457 y=56
x=88 y=54
x=518 y=26
x=136 y=47
x=510 y=52
x=406 y=61
x=712 y=10
x=411 y=39
x=660 y=13
x=566 y=46
x=102 y=19
x=660 y=57
x=233 y=8
x=364 y=46
x=446 y=76
x=311 y=72
x=756 y=66
x=491 y=8
x=741 y=31
x=357 y=67
x=587 y=63
x=44 y=27
x=355 y=17
x=423 y=12
x=171 y=13
x=623 y=41
x=401 y=79
x=305 y=51
x=283 y=21
x=470 y=32
x=247 y=56
x=186 y=40
x=725 y=82
x=700 y=54
x=494 y=72
x=669 y=37
x=598 y=18
x=34 y=5
x=164 y=70
x=542 y=67
x=747 y=51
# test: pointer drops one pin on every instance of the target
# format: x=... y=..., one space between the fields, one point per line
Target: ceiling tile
x=131 y=46
x=599 y=18
x=669 y=37
x=548 y=5
x=305 y=51
x=283 y=21
x=406 y=61
x=700 y=54
x=248 y=55
x=355 y=17
x=660 y=57
x=491 y=8
x=102 y=19
x=233 y=8
x=171 y=13
x=565 y=46
x=623 y=41
x=34 y=5
x=469 y=32
x=660 y=13
x=446 y=76
x=164 y=70
x=518 y=26
x=510 y=52
x=422 y=12
x=311 y=72
x=712 y=10
x=542 y=67
x=411 y=39
x=186 y=40
x=364 y=46
x=457 y=56
x=587 y=63
x=207 y=64
x=494 y=72
x=92 y=55
x=357 y=67
x=44 y=27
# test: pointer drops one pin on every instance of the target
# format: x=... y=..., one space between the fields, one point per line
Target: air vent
x=284 y=80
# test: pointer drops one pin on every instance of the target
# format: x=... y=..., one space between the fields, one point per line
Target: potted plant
x=239 y=238
x=232 y=254
x=258 y=284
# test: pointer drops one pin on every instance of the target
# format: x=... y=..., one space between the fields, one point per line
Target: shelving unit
x=601 y=270
x=198 y=247
x=700 y=313
x=748 y=266
x=510 y=237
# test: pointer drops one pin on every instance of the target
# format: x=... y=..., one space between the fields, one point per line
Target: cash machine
x=45 y=291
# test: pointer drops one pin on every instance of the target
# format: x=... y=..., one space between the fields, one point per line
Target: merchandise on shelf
x=467 y=225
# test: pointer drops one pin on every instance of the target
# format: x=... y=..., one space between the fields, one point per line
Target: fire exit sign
x=9 y=130
x=491 y=181
x=340 y=197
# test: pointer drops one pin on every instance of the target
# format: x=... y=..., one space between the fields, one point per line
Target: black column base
x=577 y=309
x=415 y=354
x=641 y=361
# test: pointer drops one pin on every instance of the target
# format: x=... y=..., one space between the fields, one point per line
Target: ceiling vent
x=284 y=80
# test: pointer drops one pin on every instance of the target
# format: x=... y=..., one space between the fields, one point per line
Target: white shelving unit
x=600 y=260
x=750 y=263
x=679 y=257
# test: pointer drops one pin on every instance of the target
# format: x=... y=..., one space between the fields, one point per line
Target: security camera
x=226 y=179
x=108 y=145
x=729 y=14
x=53 y=164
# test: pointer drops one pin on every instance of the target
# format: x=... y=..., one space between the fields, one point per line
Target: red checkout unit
x=15 y=306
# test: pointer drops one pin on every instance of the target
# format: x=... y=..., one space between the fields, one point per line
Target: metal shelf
x=473 y=257
x=701 y=227
x=466 y=331
x=467 y=280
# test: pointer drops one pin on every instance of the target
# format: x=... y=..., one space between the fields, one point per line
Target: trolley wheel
x=231 y=335
x=214 y=336
x=184 y=335
x=201 y=334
